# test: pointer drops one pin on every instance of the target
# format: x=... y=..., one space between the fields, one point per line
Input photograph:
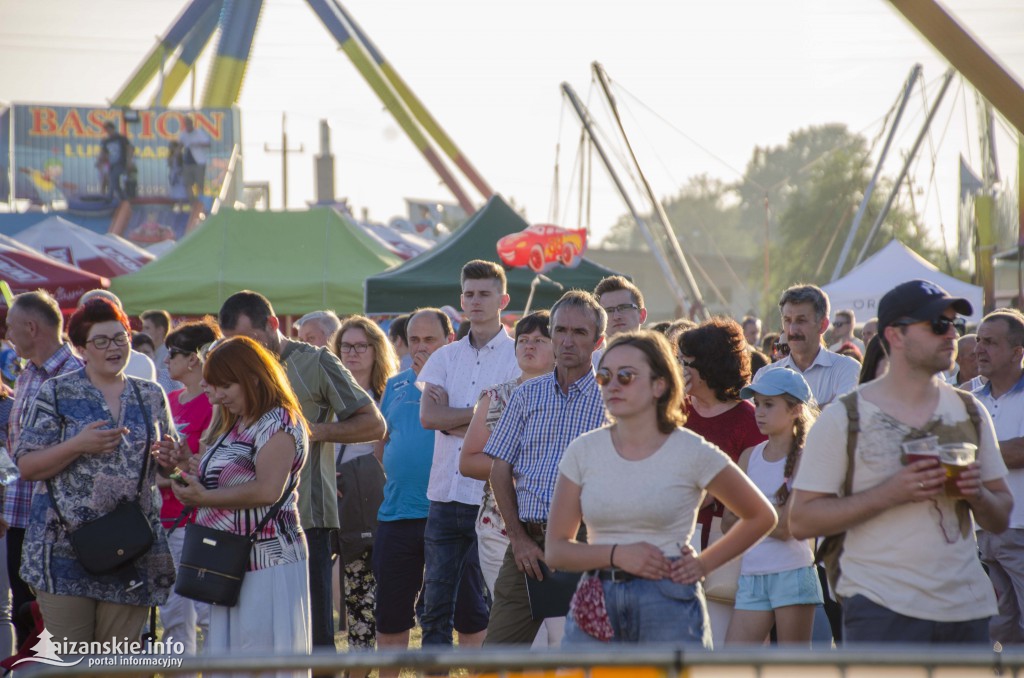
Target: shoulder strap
x=852 y=431
x=145 y=454
x=971 y=405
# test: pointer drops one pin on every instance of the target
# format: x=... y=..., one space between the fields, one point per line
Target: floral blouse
x=91 y=486
x=231 y=460
x=489 y=515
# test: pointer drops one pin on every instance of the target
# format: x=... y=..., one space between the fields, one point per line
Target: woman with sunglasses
x=87 y=435
x=192 y=412
x=369 y=355
x=638 y=483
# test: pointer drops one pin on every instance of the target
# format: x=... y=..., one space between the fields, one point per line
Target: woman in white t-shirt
x=778 y=582
x=638 y=484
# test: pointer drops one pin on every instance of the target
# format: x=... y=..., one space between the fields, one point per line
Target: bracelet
x=611 y=558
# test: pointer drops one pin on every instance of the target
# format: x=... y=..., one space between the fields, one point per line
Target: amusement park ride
x=232 y=25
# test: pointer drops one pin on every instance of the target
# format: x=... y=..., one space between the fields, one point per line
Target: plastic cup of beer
x=920 y=449
x=955 y=458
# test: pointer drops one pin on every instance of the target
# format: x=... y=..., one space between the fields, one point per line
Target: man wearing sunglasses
x=543 y=416
x=1000 y=358
x=909 y=569
x=804 y=310
x=842 y=330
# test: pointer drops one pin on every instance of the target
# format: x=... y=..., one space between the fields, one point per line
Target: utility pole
x=284 y=151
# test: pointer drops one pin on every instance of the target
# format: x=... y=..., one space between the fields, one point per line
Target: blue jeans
x=648 y=611
x=865 y=621
x=114 y=177
x=449 y=549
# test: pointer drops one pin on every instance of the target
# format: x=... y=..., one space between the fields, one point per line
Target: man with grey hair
x=804 y=311
x=34 y=327
x=139 y=365
x=1000 y=358
x=318 y=327
x=542 y=417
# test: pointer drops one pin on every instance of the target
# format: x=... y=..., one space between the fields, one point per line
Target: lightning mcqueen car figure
x=543 y=246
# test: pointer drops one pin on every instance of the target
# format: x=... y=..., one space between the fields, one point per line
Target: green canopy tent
x=302 y=261
x=432 y=278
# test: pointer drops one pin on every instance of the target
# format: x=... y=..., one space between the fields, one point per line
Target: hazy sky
x=724 y=75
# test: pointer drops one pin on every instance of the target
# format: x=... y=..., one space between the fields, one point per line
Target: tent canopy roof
x=863 y=287
x=301 y=260
x=66 y=241
x=432 y=278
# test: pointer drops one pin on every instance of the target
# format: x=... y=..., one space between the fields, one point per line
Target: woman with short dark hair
x=86 y=436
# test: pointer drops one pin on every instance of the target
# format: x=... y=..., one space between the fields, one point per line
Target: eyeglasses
x=781 y=349
x=179 y=351
x=940 y=326
x=692 y=364
x=101 y=342
x=623 y=376
x=358 y=348
x=839 y=323
x=621 y=308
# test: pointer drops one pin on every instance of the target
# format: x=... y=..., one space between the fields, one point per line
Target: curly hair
x=720 y=354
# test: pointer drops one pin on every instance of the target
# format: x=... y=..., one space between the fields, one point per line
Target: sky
x=700 y=85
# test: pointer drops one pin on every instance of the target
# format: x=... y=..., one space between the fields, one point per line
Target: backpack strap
x=849 y=400
x=971 y=405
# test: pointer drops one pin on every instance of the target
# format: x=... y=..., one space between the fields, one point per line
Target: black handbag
x=118 y=538
x=213 y=562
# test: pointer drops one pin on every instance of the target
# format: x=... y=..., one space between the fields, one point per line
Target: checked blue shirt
x=537 y=425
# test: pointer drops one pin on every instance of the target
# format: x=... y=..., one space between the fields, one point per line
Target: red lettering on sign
x=212 y=124
x=44 y=122
x=72 y=125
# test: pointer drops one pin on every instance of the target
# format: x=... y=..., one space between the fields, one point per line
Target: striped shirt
x=538 y=424
x=18 y=497
x=231 y=462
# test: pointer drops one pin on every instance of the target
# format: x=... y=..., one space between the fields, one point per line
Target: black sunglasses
x=781 y=349
x=940 y=326
x=624 y=377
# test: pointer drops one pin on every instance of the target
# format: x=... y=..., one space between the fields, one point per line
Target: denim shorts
x=764 y=592
x=649 y=611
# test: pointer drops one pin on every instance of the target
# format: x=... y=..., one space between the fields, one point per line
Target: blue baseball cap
x=777 y=382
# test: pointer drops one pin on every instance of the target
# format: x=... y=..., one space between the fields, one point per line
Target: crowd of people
x=576 y=481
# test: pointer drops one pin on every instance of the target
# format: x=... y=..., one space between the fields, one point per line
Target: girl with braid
x=778 y=584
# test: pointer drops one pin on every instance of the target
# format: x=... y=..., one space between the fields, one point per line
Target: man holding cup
x=909 y=565
x=1000 y=357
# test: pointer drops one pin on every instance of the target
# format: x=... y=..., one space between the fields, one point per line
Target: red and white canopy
x=26 y=272
x=77 y=246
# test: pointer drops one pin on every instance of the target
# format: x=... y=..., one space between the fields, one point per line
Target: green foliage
x=808 y=191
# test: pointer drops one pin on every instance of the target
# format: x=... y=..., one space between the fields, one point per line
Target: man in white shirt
x=804 y=320
x=1000 y=358
x=909 y=570
x=452 y=380
x=197 y=144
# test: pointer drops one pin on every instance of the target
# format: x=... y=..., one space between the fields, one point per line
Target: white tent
x=72 y=244
x=863 y=287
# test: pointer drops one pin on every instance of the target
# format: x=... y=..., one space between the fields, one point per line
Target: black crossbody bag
x=108 y=543
x=213 y=562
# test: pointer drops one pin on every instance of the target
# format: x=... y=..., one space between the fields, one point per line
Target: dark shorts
x=865 y=621
x=398 y=559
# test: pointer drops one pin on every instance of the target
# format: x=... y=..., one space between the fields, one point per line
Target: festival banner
x=56 y=149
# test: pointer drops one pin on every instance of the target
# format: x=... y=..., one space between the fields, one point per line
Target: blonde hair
x=801 y=425
x=385 y=360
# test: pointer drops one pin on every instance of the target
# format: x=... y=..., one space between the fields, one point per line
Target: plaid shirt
x=18 y=495
x=533 y=432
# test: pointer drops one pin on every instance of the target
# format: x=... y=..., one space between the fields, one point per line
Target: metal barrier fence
x=905 y=661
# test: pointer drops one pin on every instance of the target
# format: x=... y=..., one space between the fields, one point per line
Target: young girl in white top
x=778 y=583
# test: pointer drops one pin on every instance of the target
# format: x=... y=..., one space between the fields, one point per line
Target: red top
x=191 y=419
x=733 y=431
